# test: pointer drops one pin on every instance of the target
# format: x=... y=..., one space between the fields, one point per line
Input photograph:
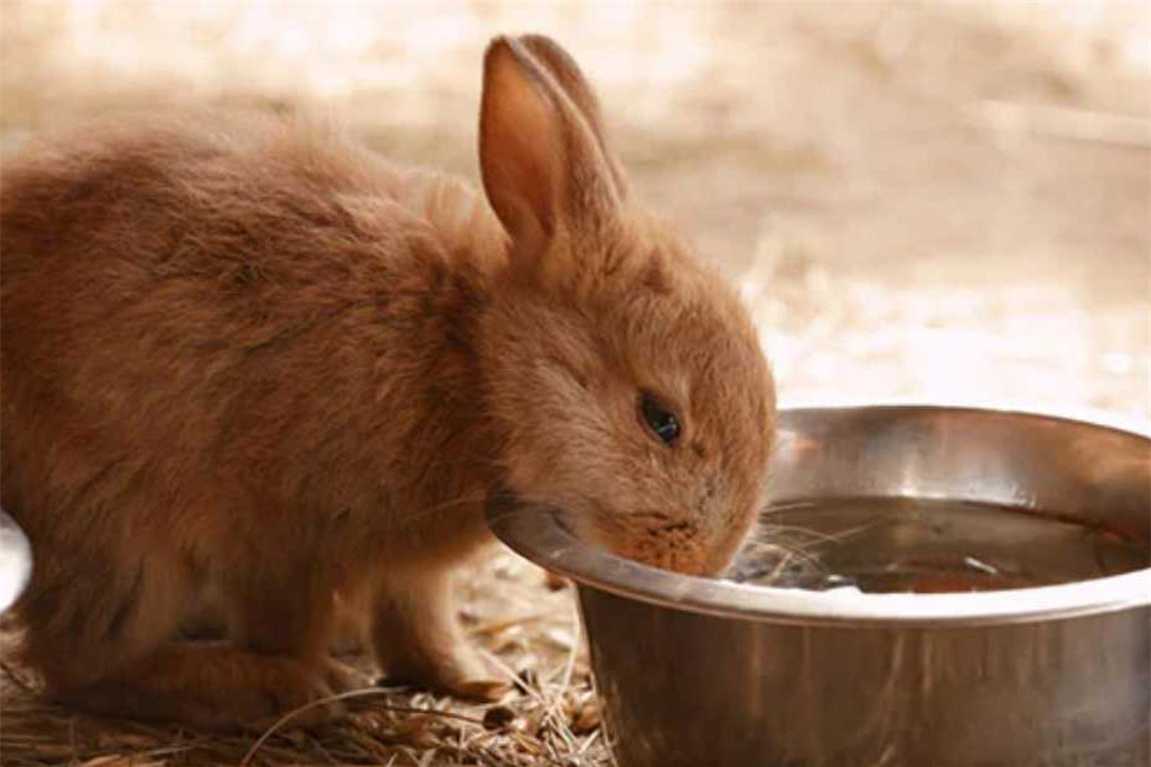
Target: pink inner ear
x=521 y=149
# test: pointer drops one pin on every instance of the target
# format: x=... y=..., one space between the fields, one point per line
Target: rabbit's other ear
x=543 y=167
x=560 y=65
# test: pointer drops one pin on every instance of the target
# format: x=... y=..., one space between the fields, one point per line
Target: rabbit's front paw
x=340 y=677
x=454 y=669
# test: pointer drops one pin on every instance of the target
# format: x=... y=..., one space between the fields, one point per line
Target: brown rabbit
x=245 y=359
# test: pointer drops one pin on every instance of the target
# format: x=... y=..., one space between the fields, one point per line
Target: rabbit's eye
x=659 y=419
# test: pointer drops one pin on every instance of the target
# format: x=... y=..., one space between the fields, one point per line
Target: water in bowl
x=916 y=545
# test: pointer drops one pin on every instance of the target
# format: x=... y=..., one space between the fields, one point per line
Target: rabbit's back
x=193 y=310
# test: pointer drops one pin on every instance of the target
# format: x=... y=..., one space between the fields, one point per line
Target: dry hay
x=528 y=627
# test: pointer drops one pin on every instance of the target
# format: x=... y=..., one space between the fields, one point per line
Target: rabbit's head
x=624 y=378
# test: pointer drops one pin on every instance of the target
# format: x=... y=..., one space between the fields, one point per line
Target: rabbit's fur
x=246 y=359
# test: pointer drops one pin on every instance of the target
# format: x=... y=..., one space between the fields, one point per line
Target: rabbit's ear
x=543 y=167
x=566 y=72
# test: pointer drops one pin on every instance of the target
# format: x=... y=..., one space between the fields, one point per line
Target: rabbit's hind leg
x=106 y=641
x=213 y=685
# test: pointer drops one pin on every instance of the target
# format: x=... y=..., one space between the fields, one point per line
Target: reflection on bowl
x=696 y=671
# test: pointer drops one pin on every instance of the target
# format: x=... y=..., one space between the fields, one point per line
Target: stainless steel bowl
x=697 y=672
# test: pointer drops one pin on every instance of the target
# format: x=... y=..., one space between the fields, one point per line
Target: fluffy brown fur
x=248 y=364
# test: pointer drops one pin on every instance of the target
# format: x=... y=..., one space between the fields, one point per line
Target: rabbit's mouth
x=653 y=538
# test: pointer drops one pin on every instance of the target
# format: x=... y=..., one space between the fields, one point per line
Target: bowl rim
x=538 y=533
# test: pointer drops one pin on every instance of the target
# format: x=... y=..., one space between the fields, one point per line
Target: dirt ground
x=922 y=202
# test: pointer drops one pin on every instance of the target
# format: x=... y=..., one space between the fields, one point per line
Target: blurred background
x=933 y=202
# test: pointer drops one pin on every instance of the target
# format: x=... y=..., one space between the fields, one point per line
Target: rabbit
x=246 y=362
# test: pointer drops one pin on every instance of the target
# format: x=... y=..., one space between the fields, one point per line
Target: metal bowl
x=696 y=671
